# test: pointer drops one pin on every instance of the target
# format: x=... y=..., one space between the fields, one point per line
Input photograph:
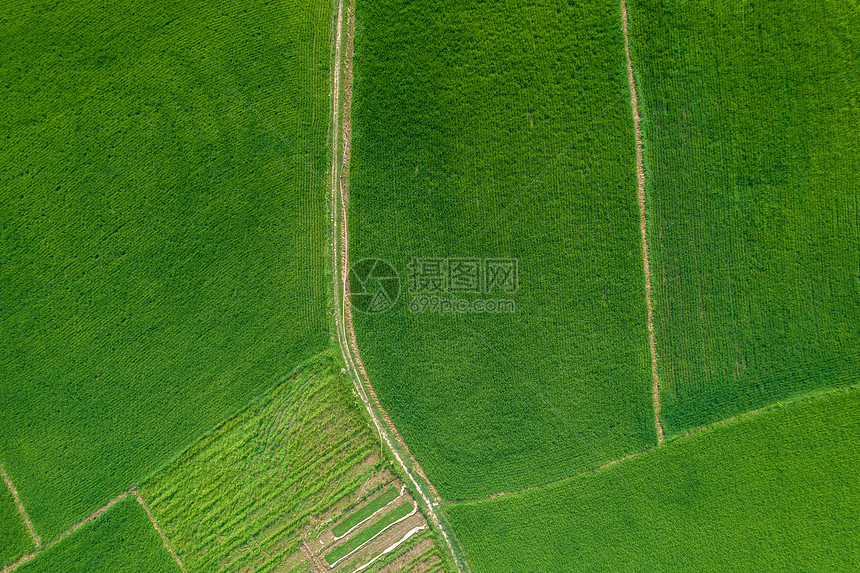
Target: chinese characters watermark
x=438 y=285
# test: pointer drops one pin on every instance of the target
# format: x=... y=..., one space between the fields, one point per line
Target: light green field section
x=244 y=496
x=122 y=540
x=163 y=230
x=375 y=505
x=751 y=118
x=776 y=491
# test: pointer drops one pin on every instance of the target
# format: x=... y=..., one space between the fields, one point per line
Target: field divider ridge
x=14 y=565
x=672 y=439
x=640 y=193
x=90 y=518
x=342 y=311
x=37 y=541
x=136 y=493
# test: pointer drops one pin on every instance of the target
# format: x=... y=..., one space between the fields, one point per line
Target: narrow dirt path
x=164 y=540
x=18 y=563
x=37 y=541
x=640 y=176
x=340 y=265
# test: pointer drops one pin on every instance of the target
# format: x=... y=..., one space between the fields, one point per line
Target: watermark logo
x=452 y=304
x=374 y=286
x=438 y=285
x=432 y=275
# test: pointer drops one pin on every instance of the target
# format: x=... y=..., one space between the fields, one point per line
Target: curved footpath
x=388 y=433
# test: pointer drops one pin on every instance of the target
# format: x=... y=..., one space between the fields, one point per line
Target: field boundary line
x=15 y=564
x=37 y=541
x=341 y=293
x=640 y=194
x=672 y=439
x=136 y=493
x=767 y=408
x=553 y=482
x=92 y=517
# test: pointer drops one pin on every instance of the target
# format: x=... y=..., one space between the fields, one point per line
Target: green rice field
x=171 y=333
x=776 y=491
x=752 y=161
x=241 y=497
x=512 y=140
x=163 y=222
x=122 y=540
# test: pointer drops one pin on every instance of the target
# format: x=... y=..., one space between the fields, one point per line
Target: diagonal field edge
x=700 y=429
x=37 y=541
x=92 y=517
x=640 y=193
x=136 y=493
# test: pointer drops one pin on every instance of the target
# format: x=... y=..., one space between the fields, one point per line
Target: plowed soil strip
x=393 y=546
x=37 y=541
x=155 y=525
x=640 y=177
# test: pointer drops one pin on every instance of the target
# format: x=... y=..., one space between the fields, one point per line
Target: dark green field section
x=163 y=231
x=752 y=157
x=777 y=491
x=489 y=132
x=15 y=540
x=122 y=540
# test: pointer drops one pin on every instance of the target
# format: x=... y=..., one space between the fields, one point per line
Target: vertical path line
x=37 y=541
x=640 y=192
x=158 y=529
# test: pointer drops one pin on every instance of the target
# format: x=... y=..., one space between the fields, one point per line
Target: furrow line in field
x=37 y=541
x=157 y=528
x=640 y=192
